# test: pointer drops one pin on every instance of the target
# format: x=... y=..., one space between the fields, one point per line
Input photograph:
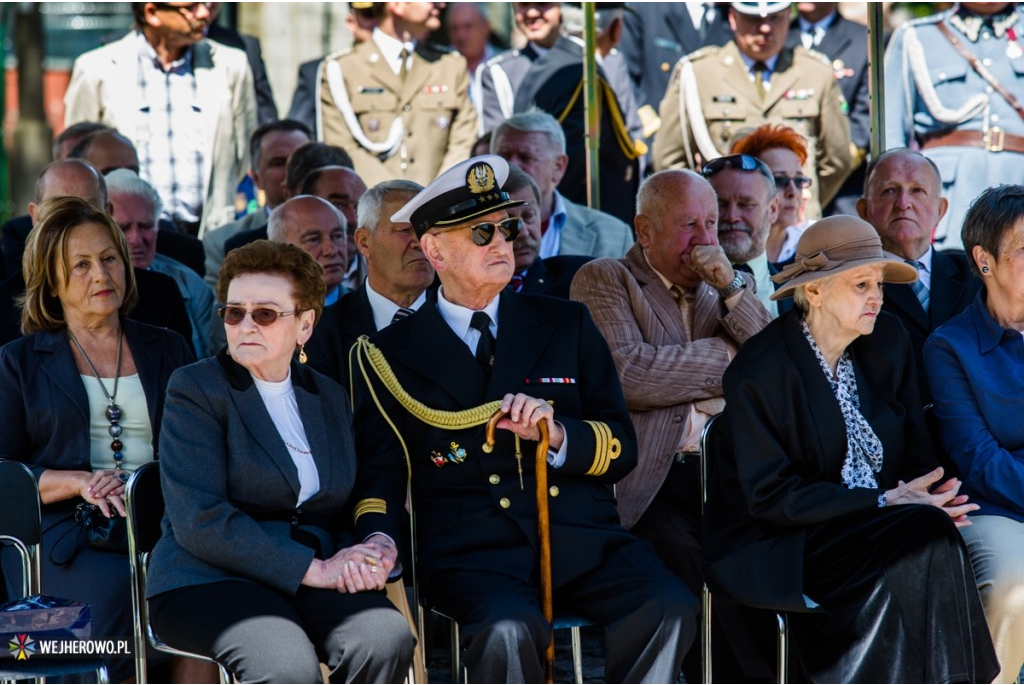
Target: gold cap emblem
x=480 y=179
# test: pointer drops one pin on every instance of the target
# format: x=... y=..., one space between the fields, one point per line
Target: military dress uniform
x=475 y=511
x=498 y=81
x=935 y=98
x=395 y=127
x=711 y=100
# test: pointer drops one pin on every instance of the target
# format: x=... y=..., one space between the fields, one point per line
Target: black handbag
x=104 y=534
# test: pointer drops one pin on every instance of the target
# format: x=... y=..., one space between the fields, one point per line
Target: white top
x=279 y=398
x=137 y=436
x=458 y=318
x=384 y=309
x=391 y=49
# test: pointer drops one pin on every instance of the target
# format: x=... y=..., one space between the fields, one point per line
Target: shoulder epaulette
x=820 y=56
x=701 y=53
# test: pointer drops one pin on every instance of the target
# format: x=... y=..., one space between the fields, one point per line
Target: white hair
x=533 y=120
x=127 y=182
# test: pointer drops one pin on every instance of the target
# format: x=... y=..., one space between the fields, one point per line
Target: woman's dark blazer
x=779 y=450
x=44 y=408
x=230 y=485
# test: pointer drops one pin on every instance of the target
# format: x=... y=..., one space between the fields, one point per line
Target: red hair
x=770 y=136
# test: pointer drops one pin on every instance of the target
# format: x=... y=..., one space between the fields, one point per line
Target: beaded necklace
x=113 y=412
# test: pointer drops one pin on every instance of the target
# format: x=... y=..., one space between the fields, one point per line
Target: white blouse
x=279 y=398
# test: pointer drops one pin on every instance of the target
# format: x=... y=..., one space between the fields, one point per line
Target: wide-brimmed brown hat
x=836 y=244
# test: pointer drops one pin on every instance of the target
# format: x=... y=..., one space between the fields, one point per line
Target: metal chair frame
x=781 y=623
x=21 y=527
x=142 y=536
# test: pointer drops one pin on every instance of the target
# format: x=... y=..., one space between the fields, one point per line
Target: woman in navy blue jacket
x=975 y=364
x=81 y=398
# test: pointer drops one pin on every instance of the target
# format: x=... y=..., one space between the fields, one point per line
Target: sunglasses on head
x=483 y=233
x=261 y=316
x=739 y=162
x=800 y=182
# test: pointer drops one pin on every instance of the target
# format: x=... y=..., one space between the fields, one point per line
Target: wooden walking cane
x=543 y=532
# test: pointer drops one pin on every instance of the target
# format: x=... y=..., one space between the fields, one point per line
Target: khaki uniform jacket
x=438 y=122
x=722 y=104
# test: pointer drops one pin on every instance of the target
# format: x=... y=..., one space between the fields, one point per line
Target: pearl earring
x=985 y=270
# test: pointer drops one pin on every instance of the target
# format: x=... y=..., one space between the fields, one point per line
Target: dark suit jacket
x=551 y=84
x=266 y=110
x=303 y=106
x=245 y=237
x=953 y=288
x=474 y=515
x=230 y=484
x=846 y=43
x=553 y=276
x=160 y=304
x=340 y=326
x=656 y=35
x=779 y=448
x=45 y=410
x=184 y=248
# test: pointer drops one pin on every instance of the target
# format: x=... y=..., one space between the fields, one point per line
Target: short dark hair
x=45 y=261
x=309 y=157
x=81 y=148
x=286 y=125
x=282 y=259
x=892 y=152
x=139 y=14
x=992 y=215
x=79 y=130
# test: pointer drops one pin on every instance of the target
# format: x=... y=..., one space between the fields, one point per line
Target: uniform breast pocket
x=725 y=110
x=793 y=109
x=948 y=74
x=367 y=99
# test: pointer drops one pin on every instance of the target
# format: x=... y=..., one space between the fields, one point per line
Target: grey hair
x=572 y=18
x=127 y=182
x=533 y=120
x=372 y=202
x=653 y=194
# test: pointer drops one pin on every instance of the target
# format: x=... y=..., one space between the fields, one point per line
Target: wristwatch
x=735 y=284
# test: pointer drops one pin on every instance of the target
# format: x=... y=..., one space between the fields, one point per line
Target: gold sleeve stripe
x=606 y=448
x=370 y=505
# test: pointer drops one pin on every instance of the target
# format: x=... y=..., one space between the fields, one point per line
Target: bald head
x=315 y=225
x=107 y=151
x=72 y=177
x=671 y=188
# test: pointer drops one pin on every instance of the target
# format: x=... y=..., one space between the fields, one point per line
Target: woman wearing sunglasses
x=785 y=152
x=259 y=567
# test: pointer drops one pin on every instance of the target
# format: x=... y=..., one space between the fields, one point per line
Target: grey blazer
x=231 y=487
x=592 y=233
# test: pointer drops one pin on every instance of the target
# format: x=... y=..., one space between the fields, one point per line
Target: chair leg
x=457 y=673
x=705 y=633
x=577 y=654
x=783 y=647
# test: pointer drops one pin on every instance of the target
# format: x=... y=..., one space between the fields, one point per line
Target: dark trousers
x=263 y=636
x=649 y=616
x=741 y=637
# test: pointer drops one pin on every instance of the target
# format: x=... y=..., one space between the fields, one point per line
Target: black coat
x=779 y=450
x=245 y=237
x=552 y=84
x=266 y=110
x=953 y=288
x=303 y=106
x=474 y=515
x=340 y=326
x=553 y=276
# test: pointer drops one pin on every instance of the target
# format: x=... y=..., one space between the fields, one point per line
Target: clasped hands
x=523 y=413
x=358 y=568
x=945 y=496
x=105 y=489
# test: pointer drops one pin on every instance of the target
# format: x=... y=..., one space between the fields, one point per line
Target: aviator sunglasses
x=482 y=233
x=261 y=316
x=740 y=162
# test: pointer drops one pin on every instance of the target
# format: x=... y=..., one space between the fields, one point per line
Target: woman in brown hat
x=825 y=499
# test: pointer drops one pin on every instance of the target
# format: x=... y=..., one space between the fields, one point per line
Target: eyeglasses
x=739 y=162
x=261 y=316
x=800 y=182
x=483 y=233
x=191 y=9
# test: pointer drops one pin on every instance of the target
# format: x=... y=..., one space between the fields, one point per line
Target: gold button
x=665 y=66
x=553 y=490
x=505 y=504
x=494 y=478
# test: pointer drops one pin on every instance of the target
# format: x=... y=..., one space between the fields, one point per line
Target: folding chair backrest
x=145 y=503
x=20 y=519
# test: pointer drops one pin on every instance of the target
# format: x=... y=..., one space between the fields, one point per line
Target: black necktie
x=485 y=348
x=401 y=313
